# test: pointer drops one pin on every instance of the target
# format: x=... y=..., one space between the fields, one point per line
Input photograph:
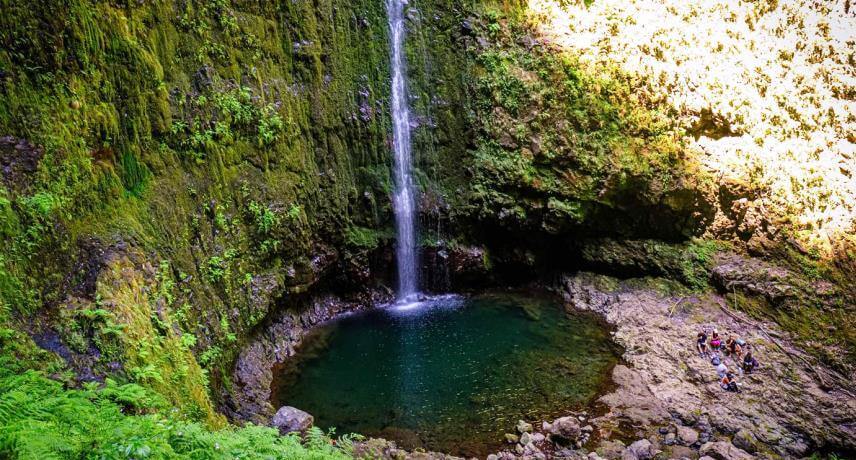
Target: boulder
x=565 y=427
x=744 y=439
x=681 y=452
x=611 y=449
x=525 y=438
x=687 y=435
x=722 y=450
x=640 y=450
x=290 y=419
x=523 y=427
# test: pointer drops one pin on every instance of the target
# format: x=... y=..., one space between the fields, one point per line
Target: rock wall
x=176 y=171
x=237 y=152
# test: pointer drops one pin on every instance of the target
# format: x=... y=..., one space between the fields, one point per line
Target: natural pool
x=451 y=374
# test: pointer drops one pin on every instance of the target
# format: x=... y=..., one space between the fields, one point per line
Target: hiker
x=701 y=343
x=721 y=368
x=729 y=342
x=749 y=362
x=734 y=348
x=715 y=341
x=729 y=383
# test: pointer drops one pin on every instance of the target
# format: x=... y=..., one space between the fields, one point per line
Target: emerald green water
x=450 y=374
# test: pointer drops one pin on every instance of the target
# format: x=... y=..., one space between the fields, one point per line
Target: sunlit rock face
x=763 y=91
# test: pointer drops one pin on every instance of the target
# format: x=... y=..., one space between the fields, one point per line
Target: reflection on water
x=449 y=374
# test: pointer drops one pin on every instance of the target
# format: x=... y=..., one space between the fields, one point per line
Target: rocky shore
x=666 y=403
x=249 y=398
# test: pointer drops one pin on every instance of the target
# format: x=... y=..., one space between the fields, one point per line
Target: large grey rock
x=565 y=427
x=745 y=440
x=687 y=435
x=722 y=450
x=290 y=419
x=611 y=450
x=639 y=450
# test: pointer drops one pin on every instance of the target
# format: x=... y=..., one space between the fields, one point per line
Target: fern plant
x=39 y=419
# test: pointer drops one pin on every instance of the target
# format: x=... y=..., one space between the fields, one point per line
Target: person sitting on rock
x=729 y=383
x=715 y=341
x=701 y=343
x=733 y=348
x=729 y=343
x=749 y=362
x=737 y=352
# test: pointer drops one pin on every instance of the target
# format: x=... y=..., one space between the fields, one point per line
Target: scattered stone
x=745 y=440
x=722 y=450
x=531 y=449
x=511 y=438
x=523 y=427
x=640 y=450
x=663 y=430
x=565 y=427
x=492 y=457
x=538 y=437
x=611 y=449
x=565 y=453
x=687 y=435
x=588 y=429
x=682 y=452
x=525 y=438
x=290 y=419
x=670 y=439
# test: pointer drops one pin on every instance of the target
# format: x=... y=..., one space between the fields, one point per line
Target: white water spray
x=404 y=196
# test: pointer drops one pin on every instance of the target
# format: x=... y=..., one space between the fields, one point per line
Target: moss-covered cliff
x=176 y=171
x=172 y=168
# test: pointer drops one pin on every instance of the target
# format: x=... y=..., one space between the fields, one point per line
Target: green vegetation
x=565 y=151
x=39 y=419
x=170 y=162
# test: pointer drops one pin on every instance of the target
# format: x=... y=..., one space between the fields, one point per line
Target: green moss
x=226 y=138
x=363 y=238
x=41 y=419
x=559 y=142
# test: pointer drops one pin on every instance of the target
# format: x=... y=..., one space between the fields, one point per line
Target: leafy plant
x=41 y=420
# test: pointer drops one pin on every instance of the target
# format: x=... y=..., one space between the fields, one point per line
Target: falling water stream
x=448 y=372
x=404 y=196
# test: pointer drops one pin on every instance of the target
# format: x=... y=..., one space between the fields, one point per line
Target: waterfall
x=404 y=196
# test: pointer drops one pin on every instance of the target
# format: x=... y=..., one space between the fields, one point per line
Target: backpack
x=715 y=360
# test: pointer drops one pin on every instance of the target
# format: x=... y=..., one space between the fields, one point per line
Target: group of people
x=716 y=349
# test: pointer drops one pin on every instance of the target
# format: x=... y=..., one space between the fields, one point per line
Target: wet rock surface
x=291 y=419
x=781 y=409
x=252 y=376
x=667 y=402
